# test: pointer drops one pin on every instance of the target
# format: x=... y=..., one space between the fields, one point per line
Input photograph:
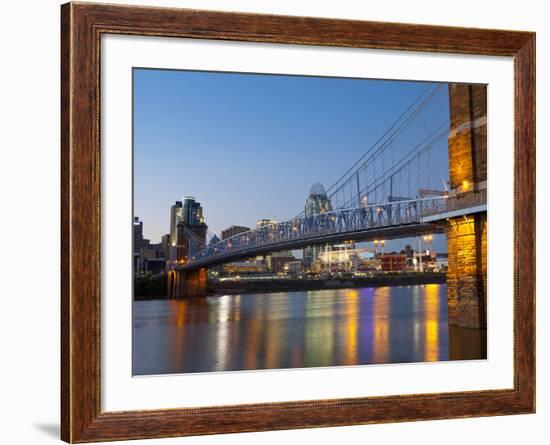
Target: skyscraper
x=176 y=215
x=317 y=202
x=139 y=241
x=192 y=211
x=165 y=243
x=188 y=212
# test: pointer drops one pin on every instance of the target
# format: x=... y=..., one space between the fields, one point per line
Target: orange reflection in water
x=180 y=317
x=178 y=341
x=276 y=334
x=431 y=317
x=252 y=338
x=319 y=330
x=381 y=316
x=282 y=330
x=352 y=307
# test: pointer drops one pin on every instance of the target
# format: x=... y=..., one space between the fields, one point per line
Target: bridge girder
x=360 y=236
x=378 y=221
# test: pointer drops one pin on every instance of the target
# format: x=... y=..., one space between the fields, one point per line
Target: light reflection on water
x=291 y=330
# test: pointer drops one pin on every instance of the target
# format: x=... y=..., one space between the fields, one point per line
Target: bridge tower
x=467 y=235
x=182 y=284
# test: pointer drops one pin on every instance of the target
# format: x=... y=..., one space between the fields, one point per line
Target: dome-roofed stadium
x=317 y=189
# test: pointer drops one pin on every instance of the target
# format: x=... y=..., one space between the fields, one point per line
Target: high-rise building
x=188 y=212
x=165 y=243
x=176 y=215
x=192 y=211
x=233 y=230
x=139 y=241
x=317 y=202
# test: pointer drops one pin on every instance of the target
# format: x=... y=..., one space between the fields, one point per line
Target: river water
x=296 y=329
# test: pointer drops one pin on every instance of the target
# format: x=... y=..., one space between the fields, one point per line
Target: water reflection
x=291 y=329
x=431 y=316
x=382 y=320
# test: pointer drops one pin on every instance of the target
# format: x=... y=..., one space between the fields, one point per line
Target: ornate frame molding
x=82 y=25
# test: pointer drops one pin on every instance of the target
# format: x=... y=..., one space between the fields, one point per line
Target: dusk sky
x=250 y=146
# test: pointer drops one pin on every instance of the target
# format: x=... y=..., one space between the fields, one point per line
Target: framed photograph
x=274 y=222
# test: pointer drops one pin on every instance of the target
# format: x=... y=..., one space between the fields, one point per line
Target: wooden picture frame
x=82 y=25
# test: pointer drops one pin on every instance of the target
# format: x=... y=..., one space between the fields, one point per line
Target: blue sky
x=250 y=146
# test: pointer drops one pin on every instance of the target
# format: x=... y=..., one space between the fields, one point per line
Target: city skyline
x=345 y=208
x=260 y=122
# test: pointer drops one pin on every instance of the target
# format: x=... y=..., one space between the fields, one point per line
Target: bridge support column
x=467 y=272
x=467 y=137
x=188 y=283
x=467 y=235
x=171 y=283
x=192 y=283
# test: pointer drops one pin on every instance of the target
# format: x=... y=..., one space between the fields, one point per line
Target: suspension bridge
x=398 y=188
x=425 y=174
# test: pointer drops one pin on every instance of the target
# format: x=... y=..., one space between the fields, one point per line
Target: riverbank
x=243 y=285
x=289 y=285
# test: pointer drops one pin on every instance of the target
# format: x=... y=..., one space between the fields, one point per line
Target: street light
x=428 y=240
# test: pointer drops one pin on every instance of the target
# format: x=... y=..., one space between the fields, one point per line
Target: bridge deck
x=396 y=219
x=365 y=235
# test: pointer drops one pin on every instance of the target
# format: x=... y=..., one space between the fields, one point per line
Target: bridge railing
x=455 y=203
x=312 y=227
x=323 y=224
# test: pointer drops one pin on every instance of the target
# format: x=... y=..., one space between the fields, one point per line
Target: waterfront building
x=277 y=261
x=369 y=264
x=250 y=266
x=393 y=262
x=233 y=230
x=317 y=202
x=442 y=262
x=342 y=257
x=294 y=267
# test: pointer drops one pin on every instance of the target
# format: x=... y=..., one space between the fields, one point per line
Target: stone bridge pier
x=182 y=284
x=467 y=235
